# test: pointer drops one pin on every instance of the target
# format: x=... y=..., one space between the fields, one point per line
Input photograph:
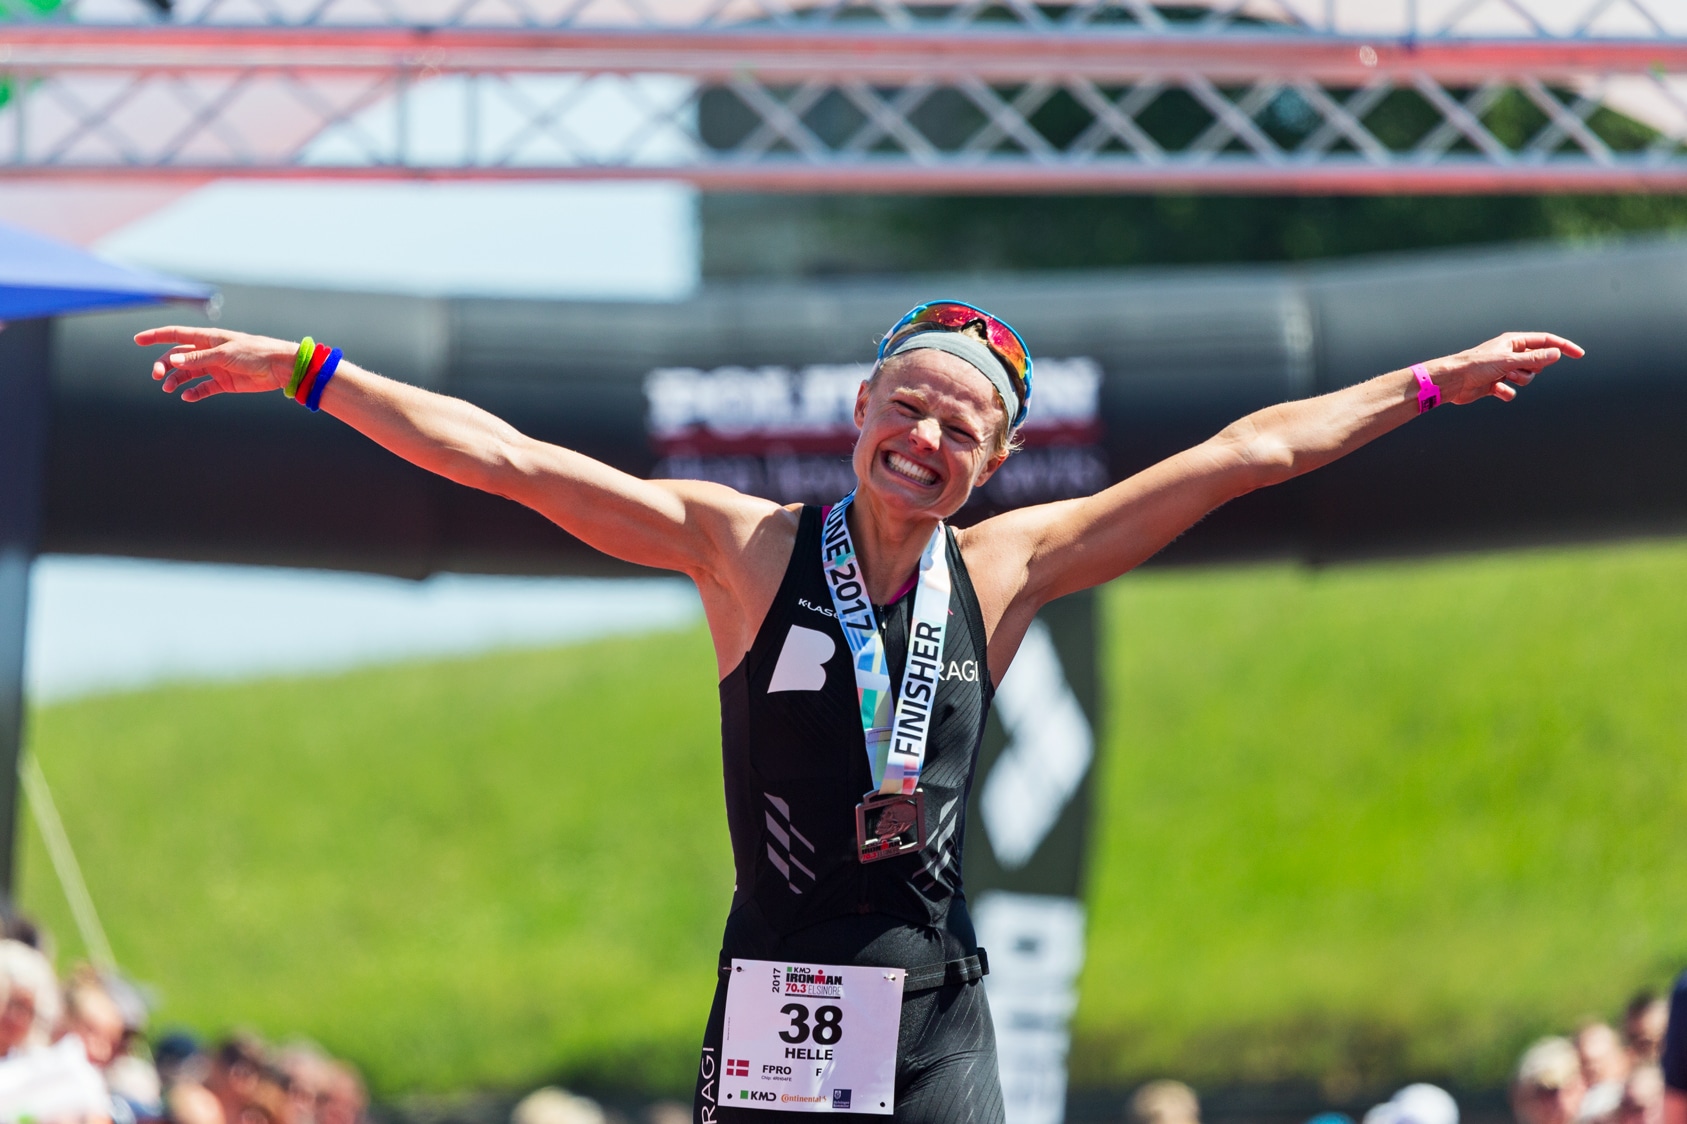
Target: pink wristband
x=1429 y=395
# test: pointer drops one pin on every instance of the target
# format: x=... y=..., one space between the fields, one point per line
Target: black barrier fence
x=750 y=384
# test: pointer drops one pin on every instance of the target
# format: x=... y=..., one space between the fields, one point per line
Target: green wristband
x=301 y=363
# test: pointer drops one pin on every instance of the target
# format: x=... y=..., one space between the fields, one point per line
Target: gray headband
x=967 y=346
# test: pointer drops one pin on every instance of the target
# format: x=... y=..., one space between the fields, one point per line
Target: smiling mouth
x=902 y=466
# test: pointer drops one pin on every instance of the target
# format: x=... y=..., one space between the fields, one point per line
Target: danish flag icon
x=738 y=1067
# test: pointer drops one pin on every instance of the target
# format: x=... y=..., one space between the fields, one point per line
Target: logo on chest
x=802 y=661
x=964 y=670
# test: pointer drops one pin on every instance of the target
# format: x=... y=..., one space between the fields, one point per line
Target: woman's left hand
x=1497 y=368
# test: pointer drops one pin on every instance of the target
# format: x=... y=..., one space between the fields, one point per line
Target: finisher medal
x=887 y=826
x=890 y=820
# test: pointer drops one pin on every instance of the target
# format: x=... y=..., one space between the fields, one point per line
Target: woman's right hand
x=215 y=361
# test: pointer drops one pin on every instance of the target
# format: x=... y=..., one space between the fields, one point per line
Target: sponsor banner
x=1025 y=852
x=786 y=433
x=1036 y=944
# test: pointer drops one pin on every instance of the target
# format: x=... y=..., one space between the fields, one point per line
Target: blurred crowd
x=1599 y=1075
x=76 y=1051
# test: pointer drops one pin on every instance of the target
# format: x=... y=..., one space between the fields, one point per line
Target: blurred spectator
x=94 y=1023
x=1643 y=1097
x=192 y=1103
x=320 y=1089
x=248 y=1088
x=1673 y=1057
x=79 y=1055
x=1604 y=1069
x=53 y=1085
x=31 y=1004
x=1165 y=1102
x=551 y=1105
x=1416 y=1104
x=1602 y=1054
x=1548 y=1087
x=133 y=1077
x=343 y=1099
x=91 y=1015
x=180 y=1060
x=109 y=1016
x=1600 y=1103
x=1644 y=1023
x=307 y=1070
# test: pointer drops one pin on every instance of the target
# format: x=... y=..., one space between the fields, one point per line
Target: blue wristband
x=313 y=401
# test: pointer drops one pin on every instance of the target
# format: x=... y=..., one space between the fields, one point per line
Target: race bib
x=811 y=1037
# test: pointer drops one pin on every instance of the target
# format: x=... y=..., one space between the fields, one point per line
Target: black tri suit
x=796 y=767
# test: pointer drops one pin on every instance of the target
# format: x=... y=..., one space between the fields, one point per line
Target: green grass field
x=1354 y=825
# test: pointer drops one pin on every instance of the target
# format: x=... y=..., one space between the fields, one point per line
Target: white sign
x=811 y=1037
x=819 y=399
x=1036 y=944
x=1050 y=745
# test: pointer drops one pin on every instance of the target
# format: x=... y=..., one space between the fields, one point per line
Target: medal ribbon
x=895 y=751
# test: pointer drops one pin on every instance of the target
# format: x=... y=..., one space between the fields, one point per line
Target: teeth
x=908 y=468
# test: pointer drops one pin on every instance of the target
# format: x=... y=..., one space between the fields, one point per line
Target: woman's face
x=928 y=426
x=17 y=1016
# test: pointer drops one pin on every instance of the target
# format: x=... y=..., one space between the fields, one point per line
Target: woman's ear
x=862 y=393
x=990 y=467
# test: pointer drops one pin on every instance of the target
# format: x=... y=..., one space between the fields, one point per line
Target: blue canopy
x=41 y=277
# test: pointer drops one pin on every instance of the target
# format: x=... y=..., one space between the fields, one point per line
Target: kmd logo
x=840 y=1098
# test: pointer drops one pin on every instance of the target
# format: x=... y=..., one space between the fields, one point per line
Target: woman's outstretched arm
x=689 y=526
x=1050 y=550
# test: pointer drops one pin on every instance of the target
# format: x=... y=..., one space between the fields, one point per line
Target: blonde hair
x=1165 y=1102
x=1551 y=1063
x=24 y=967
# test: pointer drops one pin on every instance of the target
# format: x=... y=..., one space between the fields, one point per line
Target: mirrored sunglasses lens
x=1004 y=341
x=947 y=315
x=953 y=315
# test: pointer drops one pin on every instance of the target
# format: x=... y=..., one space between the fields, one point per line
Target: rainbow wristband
x=313 y=402
x=1429 y=395
x=318 y=357
x=307 y=347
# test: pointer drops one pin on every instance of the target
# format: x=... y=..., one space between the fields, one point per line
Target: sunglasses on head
x=958 y=316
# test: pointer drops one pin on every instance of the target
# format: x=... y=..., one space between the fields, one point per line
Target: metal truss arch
x=953 y=95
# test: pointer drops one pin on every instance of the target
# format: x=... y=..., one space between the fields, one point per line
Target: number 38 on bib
x=811 y=1037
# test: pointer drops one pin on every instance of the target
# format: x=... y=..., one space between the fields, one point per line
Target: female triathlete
x=848 y=752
